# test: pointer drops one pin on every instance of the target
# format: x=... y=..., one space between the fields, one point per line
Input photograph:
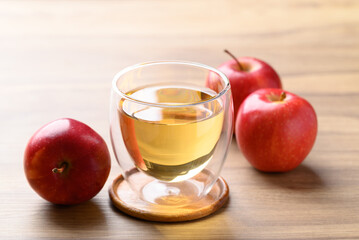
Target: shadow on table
x=82 y=216
x=303 y=178
x=198 y=228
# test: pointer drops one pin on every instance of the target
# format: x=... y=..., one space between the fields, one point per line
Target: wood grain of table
x=57 y=59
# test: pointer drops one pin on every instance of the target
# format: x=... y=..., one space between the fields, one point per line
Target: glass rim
x=174 y=62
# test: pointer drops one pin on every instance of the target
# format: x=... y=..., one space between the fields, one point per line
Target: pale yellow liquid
x=171 y=144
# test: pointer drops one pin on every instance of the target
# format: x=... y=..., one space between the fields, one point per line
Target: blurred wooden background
x=57 y=59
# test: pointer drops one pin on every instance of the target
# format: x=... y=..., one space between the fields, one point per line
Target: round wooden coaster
x=128 y=202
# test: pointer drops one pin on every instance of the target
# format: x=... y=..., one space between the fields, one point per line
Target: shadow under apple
x=303 y=178
x=84 y=216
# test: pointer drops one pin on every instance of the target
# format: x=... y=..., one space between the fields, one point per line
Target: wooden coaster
x=128 y=202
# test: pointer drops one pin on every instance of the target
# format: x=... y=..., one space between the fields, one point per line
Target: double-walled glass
x=171 y=125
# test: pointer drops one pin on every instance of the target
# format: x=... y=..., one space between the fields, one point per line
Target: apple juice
x=171 y=142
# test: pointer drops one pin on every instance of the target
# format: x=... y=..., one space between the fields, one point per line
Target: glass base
x=172 y=194
x=166 y=202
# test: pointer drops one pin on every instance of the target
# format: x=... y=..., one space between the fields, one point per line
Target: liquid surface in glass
x=171 y=143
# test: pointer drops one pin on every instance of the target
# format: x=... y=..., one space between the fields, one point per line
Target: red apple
x=275 y=129
x=246 y=75
x=66 y=162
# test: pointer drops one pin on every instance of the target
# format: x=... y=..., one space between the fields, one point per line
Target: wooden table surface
x=57 y=59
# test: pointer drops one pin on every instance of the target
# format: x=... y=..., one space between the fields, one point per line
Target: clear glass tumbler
x=171 y=125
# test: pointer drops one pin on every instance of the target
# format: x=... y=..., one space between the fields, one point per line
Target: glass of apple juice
x=170 y=125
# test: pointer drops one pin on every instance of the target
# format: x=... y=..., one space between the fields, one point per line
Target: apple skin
x=256 y=74
x=74 y=145
x=275 y=136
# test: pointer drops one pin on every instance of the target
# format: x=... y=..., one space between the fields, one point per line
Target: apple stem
x=241 y=68
x=282 y=96
x=61 y=169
